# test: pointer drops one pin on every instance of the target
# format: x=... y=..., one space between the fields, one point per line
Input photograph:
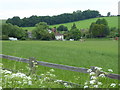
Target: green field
x=112 y=22
x=101 y=53
x=86 y=54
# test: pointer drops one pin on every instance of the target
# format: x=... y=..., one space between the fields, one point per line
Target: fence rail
x=65 y=67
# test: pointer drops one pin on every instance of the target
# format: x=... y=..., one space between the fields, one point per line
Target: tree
x=99 y=28
x=41 y=32
x=108 y=14
x=15 y=21
x=74 y=26
x=10 y=30
x=74 y=33
x=62 y=28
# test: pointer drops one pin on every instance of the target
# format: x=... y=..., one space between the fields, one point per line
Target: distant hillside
x=112 y=22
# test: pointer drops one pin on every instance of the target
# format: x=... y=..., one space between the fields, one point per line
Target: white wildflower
x=52 y=75
x=119 y=84
x=52 y=70
x=99 y=83
x=19 y=82
x=68 y=86
x=25 y=82
x=98 y=68
x=110 y=70
x=48 y=72
x=93 y=77
x=46 y=78
x=92 y=73
x=1 y=64
x=42 y=74
x=65 y=84
x=29 y=78
x=113 y=85
x=85 y=86
x=33 y=61
x=0 y=88
x=29 y=82
x=6 y=76
x=58 y=81
x=86 y=83
x=102 y=75
x=96 y=86
x=21 y=75
x=92 y=81
x=89 y=70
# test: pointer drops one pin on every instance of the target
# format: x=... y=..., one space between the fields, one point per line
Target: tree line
x=51 y=20
x=98 y=29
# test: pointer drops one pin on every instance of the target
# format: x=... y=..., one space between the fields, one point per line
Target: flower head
x=93 y=77
x=102 y=75
x=96 y=86
x=92 y=82
x=99 y=83
x=52 y=70
x=113 y=85
x=98 y=68
x=110 y=70
x=92 y=73
x=89 y=70
x=29 y=82
x=85 y=86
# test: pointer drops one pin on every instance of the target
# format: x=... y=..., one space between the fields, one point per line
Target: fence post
x=32 y=64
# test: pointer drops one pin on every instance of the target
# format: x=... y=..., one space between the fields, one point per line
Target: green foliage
x=99 y=28
x=74 y=33
x=114 y=32
x=41 y=32
x=62 y=28
x=13 y=31
x=15 y=21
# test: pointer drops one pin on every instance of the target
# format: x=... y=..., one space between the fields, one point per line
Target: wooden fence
x=65 y=67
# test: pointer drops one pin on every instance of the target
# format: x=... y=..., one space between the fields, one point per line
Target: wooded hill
x=52 y=20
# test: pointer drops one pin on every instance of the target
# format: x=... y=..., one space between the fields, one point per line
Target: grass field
x=112 y=22
x=101 y=53
x=86 y=54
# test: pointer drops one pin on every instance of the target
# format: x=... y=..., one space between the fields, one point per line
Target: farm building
x=58 y=36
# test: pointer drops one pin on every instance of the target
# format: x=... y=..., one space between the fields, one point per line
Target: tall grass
x=86 y=54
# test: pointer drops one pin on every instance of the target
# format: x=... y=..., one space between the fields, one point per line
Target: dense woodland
x=51 y=20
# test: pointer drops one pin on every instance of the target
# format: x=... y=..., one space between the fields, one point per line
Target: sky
x=27 y=8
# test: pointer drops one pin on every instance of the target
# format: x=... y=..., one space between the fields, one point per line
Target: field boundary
x=59 y=66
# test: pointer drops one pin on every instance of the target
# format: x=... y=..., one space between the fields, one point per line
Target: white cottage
x=59 y=37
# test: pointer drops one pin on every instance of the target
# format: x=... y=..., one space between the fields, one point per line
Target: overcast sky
x=27 y=8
